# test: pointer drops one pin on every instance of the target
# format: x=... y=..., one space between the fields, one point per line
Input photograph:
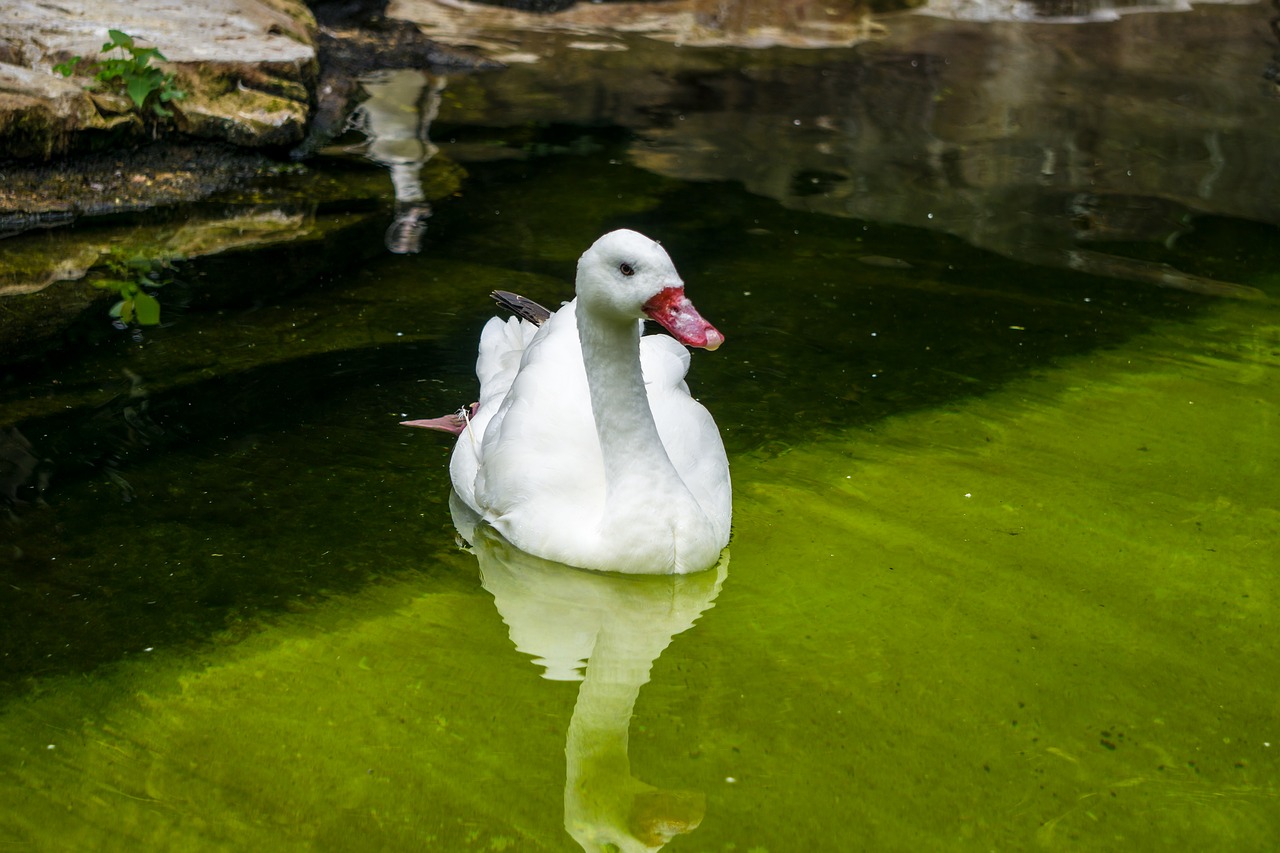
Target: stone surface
x=40 y=112
x=247 y=66
x=274 y=31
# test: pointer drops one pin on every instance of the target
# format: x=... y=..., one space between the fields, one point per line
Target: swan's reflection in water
x=605 y=630
x=396 y=118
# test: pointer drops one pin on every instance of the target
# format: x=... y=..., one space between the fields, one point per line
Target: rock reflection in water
x=1048 y=11
x=690 y=23
x=605 y=630
x=1030 y=141
x=1039 y=142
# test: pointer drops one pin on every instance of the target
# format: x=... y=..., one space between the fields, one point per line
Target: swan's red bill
x=675 y=313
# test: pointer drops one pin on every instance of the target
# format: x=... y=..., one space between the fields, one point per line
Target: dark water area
x=999 y=392
x=828 y=341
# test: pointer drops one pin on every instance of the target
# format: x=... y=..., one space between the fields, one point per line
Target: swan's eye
x=626 y=269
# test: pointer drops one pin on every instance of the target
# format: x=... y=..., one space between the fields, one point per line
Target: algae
x=1037 y=618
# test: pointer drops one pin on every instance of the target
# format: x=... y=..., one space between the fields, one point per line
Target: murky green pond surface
x=1004 y=570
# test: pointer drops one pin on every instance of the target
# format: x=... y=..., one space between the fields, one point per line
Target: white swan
x=585 y=447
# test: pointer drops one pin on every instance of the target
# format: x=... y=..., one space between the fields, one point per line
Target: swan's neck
x=635 y=461
x=600 y=727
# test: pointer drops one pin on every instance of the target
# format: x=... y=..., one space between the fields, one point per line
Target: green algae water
x=1003 y=575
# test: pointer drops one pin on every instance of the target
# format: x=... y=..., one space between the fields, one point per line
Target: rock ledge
x=248 y=67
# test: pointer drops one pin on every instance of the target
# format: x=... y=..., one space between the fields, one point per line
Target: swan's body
x=586 y=447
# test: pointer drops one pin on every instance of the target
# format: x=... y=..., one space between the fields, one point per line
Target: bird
x=586 y=446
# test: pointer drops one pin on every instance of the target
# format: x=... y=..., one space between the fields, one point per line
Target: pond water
x=1001 y=395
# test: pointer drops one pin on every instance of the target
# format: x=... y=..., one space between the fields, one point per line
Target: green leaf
x=120 y=39
x=131 y=74
x=143 y=56
x=139 y=88
x=110 y=69
x=147 y=308
x=118 y=285
x=126 y=311
x=170 y=92
x=68 y=68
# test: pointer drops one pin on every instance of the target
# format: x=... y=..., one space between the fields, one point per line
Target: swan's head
x=625 y=276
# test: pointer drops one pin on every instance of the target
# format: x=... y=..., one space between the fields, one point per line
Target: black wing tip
x=521 y=306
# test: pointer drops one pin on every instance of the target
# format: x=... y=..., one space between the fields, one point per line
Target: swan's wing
x=539 y=465
x=502 y=347
x=688 y=431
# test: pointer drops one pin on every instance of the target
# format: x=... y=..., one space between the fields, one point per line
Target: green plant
x=130 y=72
x=128 y=277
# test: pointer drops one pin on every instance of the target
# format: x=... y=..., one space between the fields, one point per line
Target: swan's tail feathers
x=453 y=424
x=521 y=306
